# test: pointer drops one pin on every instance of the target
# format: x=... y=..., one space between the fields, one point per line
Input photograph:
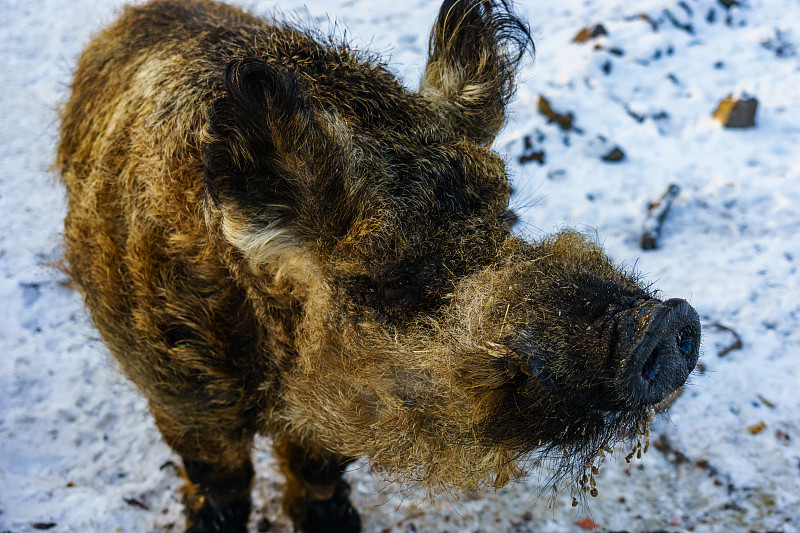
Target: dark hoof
x=334 y=515
x=225 y=517
x=217 y=503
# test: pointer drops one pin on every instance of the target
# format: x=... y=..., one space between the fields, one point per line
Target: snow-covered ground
x=79 y=453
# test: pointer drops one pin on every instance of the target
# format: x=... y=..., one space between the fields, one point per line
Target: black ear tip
x=463 y=13
x=491 y=23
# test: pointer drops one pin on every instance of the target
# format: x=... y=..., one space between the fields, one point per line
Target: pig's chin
x=575 y=454
x=569 y=437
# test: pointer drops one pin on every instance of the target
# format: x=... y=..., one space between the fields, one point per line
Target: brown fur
x=273 y=236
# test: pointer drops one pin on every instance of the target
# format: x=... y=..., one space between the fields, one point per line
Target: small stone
x=757 y=428
x=614 y=155
x=589 y=33
x=735 y=112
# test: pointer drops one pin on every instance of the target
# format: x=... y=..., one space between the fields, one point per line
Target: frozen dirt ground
x=79 y=453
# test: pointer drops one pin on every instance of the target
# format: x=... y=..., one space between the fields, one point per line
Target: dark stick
x=656 y=214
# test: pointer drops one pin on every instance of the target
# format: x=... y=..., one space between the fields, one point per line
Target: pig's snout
x=657 y=348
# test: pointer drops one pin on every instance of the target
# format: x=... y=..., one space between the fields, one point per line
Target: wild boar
x=273 y=236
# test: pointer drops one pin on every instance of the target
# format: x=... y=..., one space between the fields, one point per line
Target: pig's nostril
x=685 y=341
x=651 y=367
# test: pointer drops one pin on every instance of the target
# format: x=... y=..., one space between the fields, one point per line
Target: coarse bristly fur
x=274 y=236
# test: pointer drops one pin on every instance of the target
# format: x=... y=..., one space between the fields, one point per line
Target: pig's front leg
x=317 y=496
x=218 y=469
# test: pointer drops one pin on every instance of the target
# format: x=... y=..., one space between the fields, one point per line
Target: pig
x=274 y=236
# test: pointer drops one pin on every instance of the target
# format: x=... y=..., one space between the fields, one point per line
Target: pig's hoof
x=229 y=518
x=334 y=515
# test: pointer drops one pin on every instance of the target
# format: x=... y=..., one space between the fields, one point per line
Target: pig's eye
x=399 y=285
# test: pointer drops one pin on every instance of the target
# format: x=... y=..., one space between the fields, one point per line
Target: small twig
x=502 y=327
x=678 y=24
x=657 y=213
x=134 y=502
x=668 y=401
x=645 y=17
x=663 y=445
x=737 y=343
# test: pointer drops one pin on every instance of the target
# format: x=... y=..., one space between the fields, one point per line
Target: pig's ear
x=257 y=131
x=259 y=156
x=475 y=48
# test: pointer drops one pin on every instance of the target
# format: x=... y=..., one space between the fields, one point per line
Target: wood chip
x=735 y=112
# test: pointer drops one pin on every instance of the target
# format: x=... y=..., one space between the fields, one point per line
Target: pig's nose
x=658 y=346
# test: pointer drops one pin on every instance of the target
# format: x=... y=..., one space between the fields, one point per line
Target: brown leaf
x=587 y=523
x=564 y=121
x=590 y=33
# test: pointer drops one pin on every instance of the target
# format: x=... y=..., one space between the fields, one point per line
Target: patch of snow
x=79 y=450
